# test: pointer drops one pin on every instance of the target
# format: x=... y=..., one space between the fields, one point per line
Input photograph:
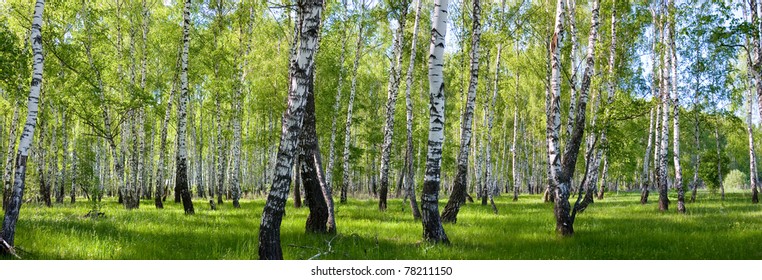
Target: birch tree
x=346 y=174
x=8 y=234
x=394 y=84
x=432 y=225
x=458 y=194
x=408 y=167
x=272 y=216
x=562 y=168
x=181 y=180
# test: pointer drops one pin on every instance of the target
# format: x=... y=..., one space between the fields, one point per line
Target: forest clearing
x=380 y=129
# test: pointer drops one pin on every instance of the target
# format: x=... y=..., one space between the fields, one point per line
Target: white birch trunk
x=336 y=107
x=181 y=178
x=458 y=194
x=393 y=89
x=269 y=229
x=432 y=225
x=346 y=180
x=25 y=143
x=408 y=169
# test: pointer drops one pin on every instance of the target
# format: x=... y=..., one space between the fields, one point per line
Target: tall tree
x=393 y=89
x=432 y=225
x=676 y=110
x=408 y=167
x=665 y=87
x=458 y=194
x=272 y=216
x=181 y=180
x=8 y=234
x=346 y=174
x=562 y=167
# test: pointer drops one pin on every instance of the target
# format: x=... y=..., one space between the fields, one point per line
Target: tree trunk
x=719 y=160
x=676 y=109
x=269 y=229
x=752 y=155
x=40 y=153
x=346 y=182
x=14 y=204
x=181 y=180
x=432 y=225
x=646 y=175
x=562 y=169
x=7 y=175
x=665 y=86
x=65 y=157
x=574 y=83
x=408 y=167
x=394 y=84
x=337 y=104
x=458 y=194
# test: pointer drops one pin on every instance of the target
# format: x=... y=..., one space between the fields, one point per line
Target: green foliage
x=85 y=177
x=736 y=180
x=708 y=168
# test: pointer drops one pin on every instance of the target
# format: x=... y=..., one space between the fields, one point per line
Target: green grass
x=617 y=227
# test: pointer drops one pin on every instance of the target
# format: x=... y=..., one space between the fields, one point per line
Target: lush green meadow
x=617 y=227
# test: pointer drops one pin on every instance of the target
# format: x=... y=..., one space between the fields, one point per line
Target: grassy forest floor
x=617 y=227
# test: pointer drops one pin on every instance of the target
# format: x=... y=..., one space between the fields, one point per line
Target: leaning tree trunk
x=269 y=229
x=458 y=194
x=394 y=84
x=408 y=168
x=318 y=196
x=181 y=180
x=163 y=160
x=346 y=174
x=432 y=225
x=25 y=143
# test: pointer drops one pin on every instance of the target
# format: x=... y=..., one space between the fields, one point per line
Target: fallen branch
x=8 y=249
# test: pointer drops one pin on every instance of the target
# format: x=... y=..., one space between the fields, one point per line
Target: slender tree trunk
x=14 y=206
x=753 y=182
x=665 y=86
x=514 y=148
x=8 y=175
x=676 y=109
x=269 y=229
x=346 y=173
x=337 y=104
x=65 y=157
x=488 y=177
x=646 y=175
x=432 y=225
x=458 y=194
x=719 y=160
x=40 y=153
x=394 y=84
x=408 y=167
x=574 y=84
